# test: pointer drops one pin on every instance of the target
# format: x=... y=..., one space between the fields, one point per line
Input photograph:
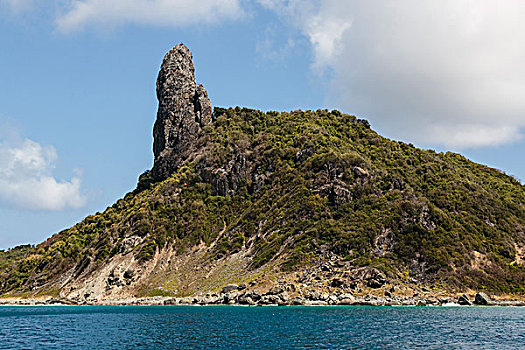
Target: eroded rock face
x=184 y=109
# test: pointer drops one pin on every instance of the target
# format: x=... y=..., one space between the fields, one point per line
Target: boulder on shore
x=482 y=299
x=228 y=288
x=463 y=300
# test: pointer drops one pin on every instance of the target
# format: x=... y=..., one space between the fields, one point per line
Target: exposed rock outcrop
x=482 y=299
x=463 y=300
x=229 y=288
x=184 y=109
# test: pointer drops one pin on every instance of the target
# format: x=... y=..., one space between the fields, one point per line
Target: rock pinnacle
x=184 y=109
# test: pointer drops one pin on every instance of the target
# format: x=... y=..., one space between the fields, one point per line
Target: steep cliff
x=184 y=109
x=315 y=199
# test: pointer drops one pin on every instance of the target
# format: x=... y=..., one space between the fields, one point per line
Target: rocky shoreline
x=230 y=295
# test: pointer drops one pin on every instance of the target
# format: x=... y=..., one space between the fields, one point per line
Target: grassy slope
x=445 y=217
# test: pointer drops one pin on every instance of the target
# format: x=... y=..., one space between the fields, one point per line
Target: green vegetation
x=296 y=188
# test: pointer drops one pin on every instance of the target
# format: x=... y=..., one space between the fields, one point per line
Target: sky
x=77 y=84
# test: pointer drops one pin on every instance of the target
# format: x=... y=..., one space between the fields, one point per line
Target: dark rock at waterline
x=248 y=298
x=463 y=300
x=482 y=299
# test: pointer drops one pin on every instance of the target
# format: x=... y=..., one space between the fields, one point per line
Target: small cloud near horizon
x=26 y=179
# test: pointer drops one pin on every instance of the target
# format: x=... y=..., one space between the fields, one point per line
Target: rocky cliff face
x=184 y=108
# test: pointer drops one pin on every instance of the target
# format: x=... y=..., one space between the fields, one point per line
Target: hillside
x=314 y=198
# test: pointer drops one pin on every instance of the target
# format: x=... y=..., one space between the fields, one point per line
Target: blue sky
x=77 y=84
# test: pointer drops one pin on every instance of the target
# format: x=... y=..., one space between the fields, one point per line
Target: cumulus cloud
x=81 y=13
x=26 y=180
x=325 y=36
x=444 y=72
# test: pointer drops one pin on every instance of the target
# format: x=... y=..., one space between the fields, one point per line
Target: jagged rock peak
x=184 y=108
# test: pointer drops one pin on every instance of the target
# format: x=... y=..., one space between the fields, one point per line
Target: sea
x=237 y=327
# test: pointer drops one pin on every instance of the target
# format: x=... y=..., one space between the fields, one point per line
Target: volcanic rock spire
x=184 y=108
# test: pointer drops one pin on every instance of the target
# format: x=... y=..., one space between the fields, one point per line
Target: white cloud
x=471 y=135
x=26 y=180
x=175 y=13
x=444 y=72
x=325 y=36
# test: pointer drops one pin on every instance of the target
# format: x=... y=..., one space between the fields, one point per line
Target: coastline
x=245 y=299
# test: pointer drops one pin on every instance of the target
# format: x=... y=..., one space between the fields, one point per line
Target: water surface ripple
x=229 y=327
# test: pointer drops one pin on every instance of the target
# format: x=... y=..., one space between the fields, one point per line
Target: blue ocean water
x=231 y=327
